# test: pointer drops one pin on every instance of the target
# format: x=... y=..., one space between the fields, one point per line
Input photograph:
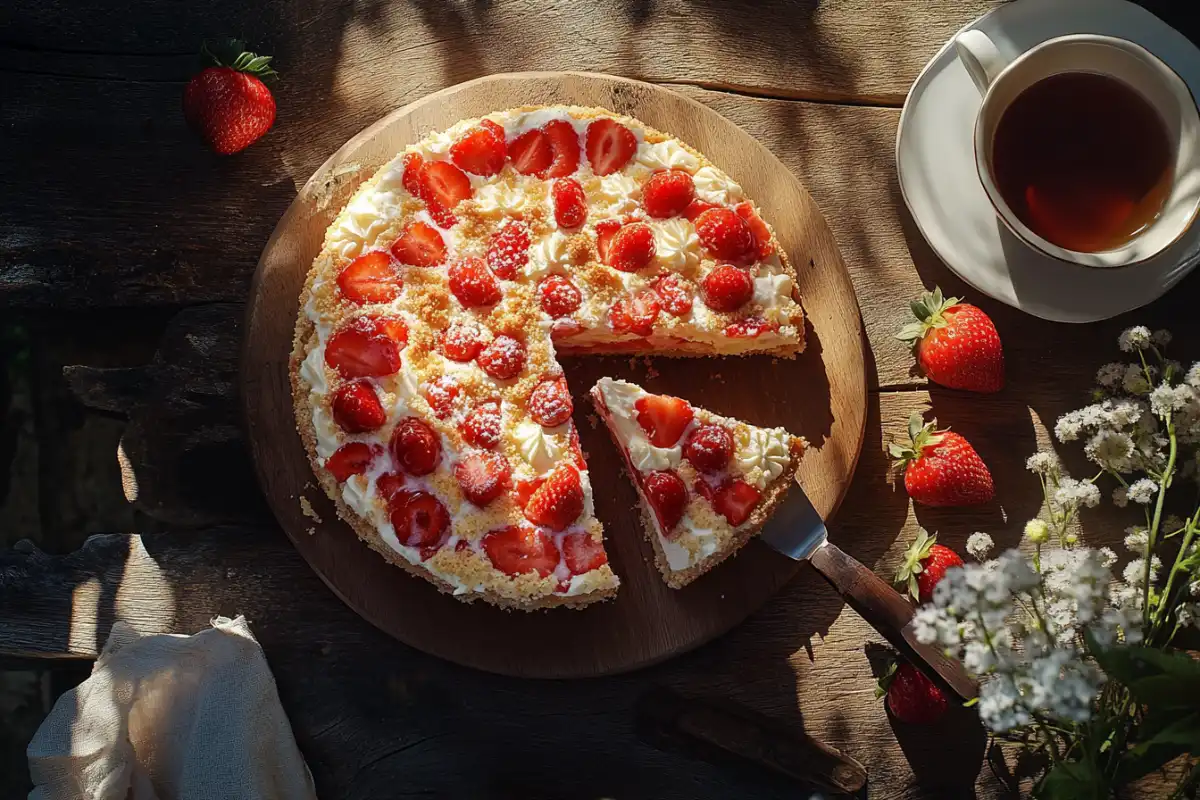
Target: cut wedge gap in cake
x=707 y=483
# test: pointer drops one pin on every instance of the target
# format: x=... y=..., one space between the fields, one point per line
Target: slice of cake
x=707 y=483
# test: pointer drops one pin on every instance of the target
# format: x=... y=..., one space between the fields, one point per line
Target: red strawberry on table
x=925 y=564
x=227 y=103
x=956 y=343
x=518 y=549
x=663 y=418
x=558 y=501
x=911 y=697
x=940 y=467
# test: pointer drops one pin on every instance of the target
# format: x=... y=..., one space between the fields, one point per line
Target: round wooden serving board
x=821 y=395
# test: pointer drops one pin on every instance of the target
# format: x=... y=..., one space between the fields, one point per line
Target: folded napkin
x=166 y=717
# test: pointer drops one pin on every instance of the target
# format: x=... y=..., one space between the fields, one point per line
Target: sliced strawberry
x=564 y=142
x=525 y=489
x=668 y=193
x=445 y=184
x=570 y=203
x=550 y=403
x=558 y=296
x=558 y=501
x=412 y=174
x=421 y=245
x=758 y=229
x=360 y=350
x=356 y=407
x=462 y=341
x=370 y=278
x=353 y=458
x=727 y=288
x=441 y=394
x=473 y=283
x=390 y=483
x=531 y=153
x=610 y=145
x=663 y=418
x=696 y=208
x=389 y=327
x=631 y=248
x=503 y=358
x=605 y=230
x=675 y=293
x=735 y=499
x=583 y=553
x=480 y=152
x=635 y=314
x=668 y=496
x=508 y=252
x=519 y=549
x=483 y=477
x=749 y=328
x=441 y=216
x=709 y=448
x=481 y=427
x=420 y=520
x=703 y=488
x=416 y=447
x=725 y=235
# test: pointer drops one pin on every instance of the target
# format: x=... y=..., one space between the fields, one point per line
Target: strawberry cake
x=707 y=483
x=424 y=372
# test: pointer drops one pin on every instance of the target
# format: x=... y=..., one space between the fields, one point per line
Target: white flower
x=1072 y=494
x=1123 y=413
x=1192 y=378
x=1037 y=531
x=1143 y=491
x=1043 y=462
x=1068 y=427
x=1135 y=571
x=1108 y=557
x=979 y=544
x=1110 y=449
x=1161 y=338
x=1120 y=497
x=1110 y=375
x=1194 y=588
x=1186 y=615
x=1135 y=338
x=1136 y=539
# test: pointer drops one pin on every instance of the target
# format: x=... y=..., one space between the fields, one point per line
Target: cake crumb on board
x=307 y=510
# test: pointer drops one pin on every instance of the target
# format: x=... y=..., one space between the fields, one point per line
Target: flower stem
x=1152 y=534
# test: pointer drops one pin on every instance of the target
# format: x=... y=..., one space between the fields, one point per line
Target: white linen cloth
x=168 y=717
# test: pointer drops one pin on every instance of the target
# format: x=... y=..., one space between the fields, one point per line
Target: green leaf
x=1168 y=742
x=1157 y=678
x=915 y=425
x=1073 y=780
x=911 y=332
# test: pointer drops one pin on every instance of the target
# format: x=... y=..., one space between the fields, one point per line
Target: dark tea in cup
x=1083 y=160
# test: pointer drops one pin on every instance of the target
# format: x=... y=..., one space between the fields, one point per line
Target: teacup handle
x=980 y=56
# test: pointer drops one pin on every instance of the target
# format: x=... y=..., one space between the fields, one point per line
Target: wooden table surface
x=114 y=220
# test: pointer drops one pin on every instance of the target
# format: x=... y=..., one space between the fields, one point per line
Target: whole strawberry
x=940 y=467
x=956 y=343
x=227 y=103
x=912 y=697
x=925 y=564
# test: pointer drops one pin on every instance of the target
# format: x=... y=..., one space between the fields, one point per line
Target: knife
x=797 y=531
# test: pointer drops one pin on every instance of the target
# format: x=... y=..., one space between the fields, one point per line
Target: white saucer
x=936 y=164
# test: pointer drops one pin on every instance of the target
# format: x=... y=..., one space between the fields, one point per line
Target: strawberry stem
x=929 y=310
x=232 y=53
x=921 y=434
x=906 y=575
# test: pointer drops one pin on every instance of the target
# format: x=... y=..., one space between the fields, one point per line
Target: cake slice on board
x=707 y=483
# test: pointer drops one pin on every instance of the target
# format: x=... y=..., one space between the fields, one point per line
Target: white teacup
x=1001 y=81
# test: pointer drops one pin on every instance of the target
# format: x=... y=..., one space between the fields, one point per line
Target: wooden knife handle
x=891 y=615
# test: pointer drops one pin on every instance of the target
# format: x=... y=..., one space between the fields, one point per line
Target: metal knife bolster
x=795 y=529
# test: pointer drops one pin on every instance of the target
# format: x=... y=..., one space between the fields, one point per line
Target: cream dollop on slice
x=774 y=294
x=540 y=448
x=615 y=195
x=549 y=255
x=762 y=454
x=498 y=199
x=714 y=186
x=676 y=244
x=326 y=433
x=312 y=370
x=668 y=154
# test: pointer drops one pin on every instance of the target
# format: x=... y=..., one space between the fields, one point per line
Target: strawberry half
x=630 y=248
x=370 y=278
x=416 y=447
x=420 y=520
x=635 y=314
x=668 y=496
x=353 y=458
x=362 y=349
x=758 y=229
x=531 y=153
x=663 y=418
x=956 y=343
x=709 y=448
x=508 y=251
x=727 y=288
x=570 y=203
x=356 y=407
x=564 y=145
x=480 y=151
x=421 y=245
x=675 y=293
x=481 y=427
x=550 y=403
x=925 y=564
x=734 y=500
x=228 y=104
x=668 y=193
x=558 y=296
x=519 y=549
x=940 y=467
x=558 y=501
x=583 y=553
x=610 y=145
x=483 y=477
x=473 y=283
x=503 y=358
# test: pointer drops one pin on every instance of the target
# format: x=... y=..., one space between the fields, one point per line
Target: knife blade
x=797 y=531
